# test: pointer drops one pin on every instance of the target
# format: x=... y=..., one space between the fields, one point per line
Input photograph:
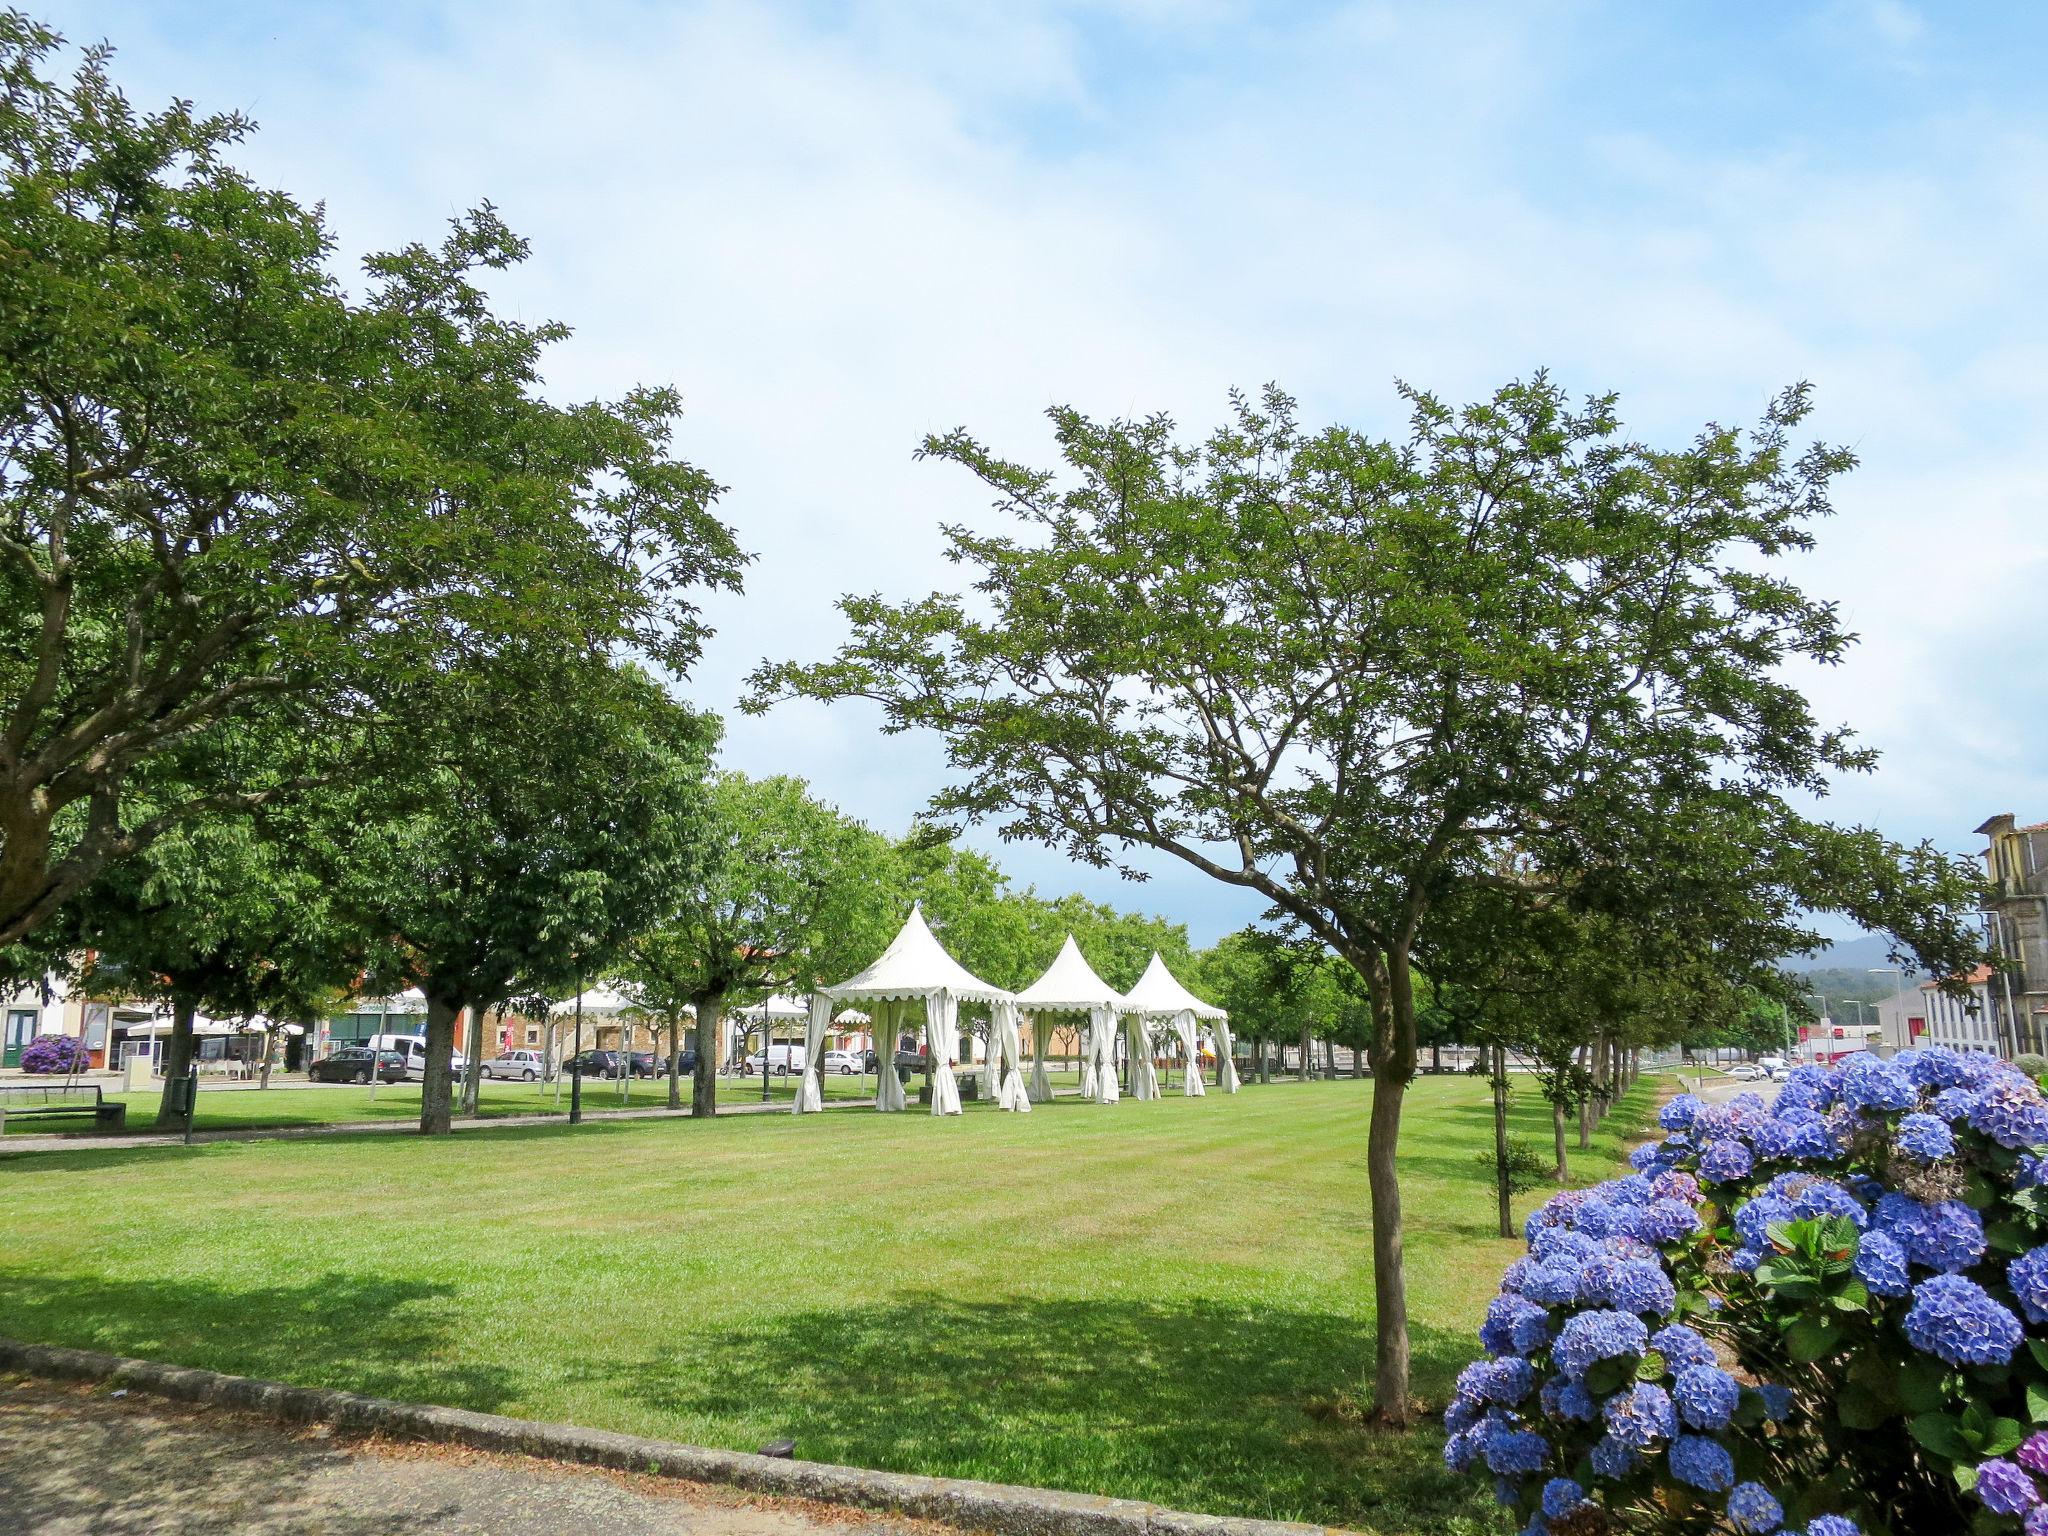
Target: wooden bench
x=50 y=1101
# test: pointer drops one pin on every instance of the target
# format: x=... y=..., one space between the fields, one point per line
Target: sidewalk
x=75 y=1461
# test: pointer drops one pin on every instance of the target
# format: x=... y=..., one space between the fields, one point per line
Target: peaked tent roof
x=1158 y=992
x=916 y=965
x=780 y=1006
x=1069 y=985
x=604 y=1000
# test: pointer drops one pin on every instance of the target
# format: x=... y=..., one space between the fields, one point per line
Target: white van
x=414 y=1049
x=782 y=1059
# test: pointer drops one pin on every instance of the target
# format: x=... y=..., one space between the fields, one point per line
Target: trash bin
x=180 y=1094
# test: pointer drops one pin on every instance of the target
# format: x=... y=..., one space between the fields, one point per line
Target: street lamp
x=1898 y=993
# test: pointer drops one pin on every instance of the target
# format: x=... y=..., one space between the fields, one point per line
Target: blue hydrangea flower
x=1926 y=1137
x=1777 y=1400
x=1725 y=1161
x=1833 y=1525
x=1514 y=1452
x=1881 y=1265
x=1956 y=1320
x=1871 y=1083
x=1563 y=1399
x=1954 y=1104
x=2032 y=1171
x=1681 y=1346
x=2005 y=1487
x=1641 y=1416
x=1931 y=1066
x=1752 y=1508
x=1587 y=1338
x=1641 y=1286
x=1680 y=1112
x=2011 y=1111
x=1706 y=1396
x=1560 y=1497
x=1613 y=1458
x=1461 y=1450
x=1948 y=1237
x=2028 y=1277
x=1701 y=1463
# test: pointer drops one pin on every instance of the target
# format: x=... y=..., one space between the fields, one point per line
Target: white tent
x=599 y=1002
x=1070 y=985
x=1158 y=995
x=915 y=967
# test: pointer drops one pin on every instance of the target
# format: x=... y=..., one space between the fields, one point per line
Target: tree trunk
x=177 y=1060
x=1585 y=1056
x=1503 y=1189
x=1436 y=1057
x=269 y=1055
x=710 y=1043
x=473 y=1068
x=1389 y=1282
x=1303 y=1064
x=1564 y=1172
x=437 y=1081
x=1358 y=1061
x=675 y=1060
x=1329 y=1057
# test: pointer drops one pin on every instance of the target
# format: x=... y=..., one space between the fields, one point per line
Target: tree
x=786 y=891
x=230 y=483
x=548 y=806
x=1345 y=673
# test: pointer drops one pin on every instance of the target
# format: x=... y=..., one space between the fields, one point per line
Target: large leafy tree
x=225 y=480
x=1348 y=673
x=545 y=809
x=785 y=893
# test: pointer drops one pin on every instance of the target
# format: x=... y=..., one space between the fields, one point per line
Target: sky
x=836 y=227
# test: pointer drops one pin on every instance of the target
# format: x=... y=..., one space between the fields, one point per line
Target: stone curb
x=996 y=1507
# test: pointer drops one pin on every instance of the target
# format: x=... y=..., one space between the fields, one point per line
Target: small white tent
x=915 y=967
x=1158 y=995
x=1070 y=985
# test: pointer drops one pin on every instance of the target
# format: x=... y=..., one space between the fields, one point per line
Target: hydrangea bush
x=1827 y=1315
x=50 y=1053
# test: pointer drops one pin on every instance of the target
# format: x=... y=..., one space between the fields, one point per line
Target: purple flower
x=2036 y=1523
x=1833 y=1525
x=1957 y=1321
x=1881 y=1265
x=1948 y=1236
x=2011 y=1111
x=1752 y=1508
x=1641 y=1416
x=1701 y=1463
x=2005 y=1487
x=1590 y=1337
x=2028 y=1277
x=1926 y=1137
x=2033 y=1452
x=1706 y=1396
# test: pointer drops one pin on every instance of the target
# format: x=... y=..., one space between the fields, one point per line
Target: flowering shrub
x=50 y=1053
x=1828 y=1316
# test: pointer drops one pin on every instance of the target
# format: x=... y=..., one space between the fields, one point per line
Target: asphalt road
x=75 y=1461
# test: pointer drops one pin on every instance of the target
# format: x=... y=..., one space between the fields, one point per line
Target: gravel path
x=74 y=1461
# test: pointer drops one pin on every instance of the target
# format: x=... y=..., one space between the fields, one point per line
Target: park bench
x=39 y=1101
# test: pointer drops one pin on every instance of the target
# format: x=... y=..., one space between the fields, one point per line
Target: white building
x=1929 y=1016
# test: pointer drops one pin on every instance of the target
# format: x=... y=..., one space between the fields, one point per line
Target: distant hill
x=1848 y=955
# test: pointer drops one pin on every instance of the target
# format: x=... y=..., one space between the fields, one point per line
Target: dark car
x=351 y=1064
x=593 y=1064
x=647 y=1064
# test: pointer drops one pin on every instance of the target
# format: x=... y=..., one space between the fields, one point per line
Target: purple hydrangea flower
x=1948 y=1236
x=1956 y=1320
x=1641 y=1416
x=1881 y=1265
x=2005 y=1487
x=2011 y=1111
x=2033 y=1452
x=1701 y=1463
x=1926 y=1137
x=2036 y=1523
x=1833 y=1525
x=1706 y=1396
x=1752 y=1508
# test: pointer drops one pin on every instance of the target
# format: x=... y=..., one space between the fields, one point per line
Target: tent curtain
x=1102 y=1055
x=1041 y=1042
x=809 y=1097
x=1144 y=1076
x=888 y=1086
x=1191 y=1073
x=942 y=1034
x=1088 y=1058
x=1226 y=1058
x=1006 y=1059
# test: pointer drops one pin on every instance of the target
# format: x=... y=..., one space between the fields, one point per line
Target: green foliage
x=1522 y=1170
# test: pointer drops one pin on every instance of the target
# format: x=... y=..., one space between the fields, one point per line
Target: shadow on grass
x=1208 y=1406
x=388 y=1337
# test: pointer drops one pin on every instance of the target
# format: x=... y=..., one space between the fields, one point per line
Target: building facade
x=2016 y=920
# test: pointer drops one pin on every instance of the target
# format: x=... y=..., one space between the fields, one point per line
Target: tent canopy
x=916 y=965
x=1069 y=985
x=1157 y=992
x=598 y=1000
x=781 y=1006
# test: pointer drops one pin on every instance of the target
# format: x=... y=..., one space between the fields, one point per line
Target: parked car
x=781 y=1058
x=414 y=1049
x=593 y=1063
x=845 y=1063
x=351 y=1064
x=1749 y=1072
x=524 y=1065
x=646 y=1064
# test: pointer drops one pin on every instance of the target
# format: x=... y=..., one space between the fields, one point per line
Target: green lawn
x=1157 y=1300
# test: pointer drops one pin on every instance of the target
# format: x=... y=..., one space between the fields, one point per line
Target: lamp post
x=576 y=1079
x=1898 y=991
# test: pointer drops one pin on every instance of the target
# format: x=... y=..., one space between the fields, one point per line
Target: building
x=1930 y=1016
x=2016 y=920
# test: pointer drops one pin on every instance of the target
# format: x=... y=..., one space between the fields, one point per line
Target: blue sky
x=836 y=227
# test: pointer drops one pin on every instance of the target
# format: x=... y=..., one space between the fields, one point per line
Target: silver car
x=527 y=1066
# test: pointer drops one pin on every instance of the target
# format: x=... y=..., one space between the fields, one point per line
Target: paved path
x=74 y=1462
